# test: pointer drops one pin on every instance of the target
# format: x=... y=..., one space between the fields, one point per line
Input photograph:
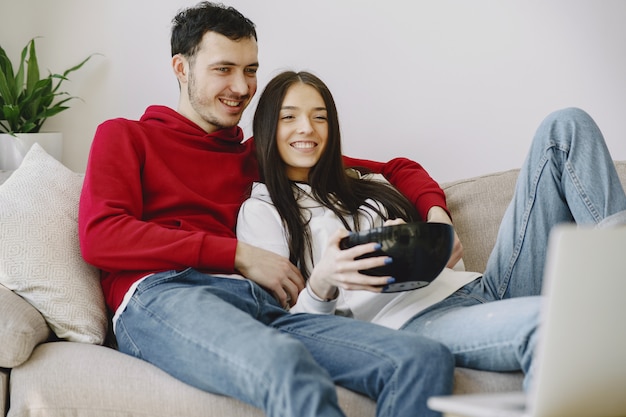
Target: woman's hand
x=339 y=269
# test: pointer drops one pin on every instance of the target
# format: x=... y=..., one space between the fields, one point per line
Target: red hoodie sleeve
x=410 y=178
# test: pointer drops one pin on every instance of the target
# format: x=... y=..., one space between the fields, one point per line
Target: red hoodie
x=162 y=194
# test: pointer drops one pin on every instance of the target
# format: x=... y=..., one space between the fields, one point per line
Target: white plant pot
x=13 y=149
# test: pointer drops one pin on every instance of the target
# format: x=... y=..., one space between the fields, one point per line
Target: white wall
x=457 y=85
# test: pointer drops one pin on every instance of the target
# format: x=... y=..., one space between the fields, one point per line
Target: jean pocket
x=159 y=278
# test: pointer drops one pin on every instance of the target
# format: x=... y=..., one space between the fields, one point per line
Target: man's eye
x=222 y=69
x=251 y=71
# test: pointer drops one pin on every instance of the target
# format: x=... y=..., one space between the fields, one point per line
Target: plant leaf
x=32 y=74
x=6 y=92
x=26 y=99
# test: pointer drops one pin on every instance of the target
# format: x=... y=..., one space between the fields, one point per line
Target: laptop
x=581 y=352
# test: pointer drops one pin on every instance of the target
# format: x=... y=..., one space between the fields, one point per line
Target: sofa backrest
x=477 y=206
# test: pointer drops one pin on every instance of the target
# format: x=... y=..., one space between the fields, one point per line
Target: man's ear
x=180 y=65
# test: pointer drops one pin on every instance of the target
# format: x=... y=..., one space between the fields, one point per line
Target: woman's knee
x=569 y=114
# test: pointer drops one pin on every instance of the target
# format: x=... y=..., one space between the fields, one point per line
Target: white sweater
x=259 y=224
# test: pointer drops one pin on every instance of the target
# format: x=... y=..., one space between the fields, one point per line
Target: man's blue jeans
x=231 y=337
x=568 y=176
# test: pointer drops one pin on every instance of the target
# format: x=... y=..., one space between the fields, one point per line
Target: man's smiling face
x=218 y=83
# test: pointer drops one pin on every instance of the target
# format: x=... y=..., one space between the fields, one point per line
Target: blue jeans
x=568 y=176
x=231 y=337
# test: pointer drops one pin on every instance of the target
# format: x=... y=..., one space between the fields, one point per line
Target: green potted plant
x=26 y=101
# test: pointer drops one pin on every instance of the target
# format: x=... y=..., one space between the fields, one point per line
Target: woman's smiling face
x=302 y=131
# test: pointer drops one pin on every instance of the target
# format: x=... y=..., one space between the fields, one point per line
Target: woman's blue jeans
x=568 y=176
x=229 y=336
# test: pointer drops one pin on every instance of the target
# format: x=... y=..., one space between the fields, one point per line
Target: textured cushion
x=21 y=329
x=620 y=166
x=72 y=379
x=477 y=206
x=472 y=381
x=83 y=380
x=39 y=253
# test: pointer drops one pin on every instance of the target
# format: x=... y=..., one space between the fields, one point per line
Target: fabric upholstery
x=36 y=390
x=120 y=385
x=477 y=206
x=21 y=329
x=39 y=253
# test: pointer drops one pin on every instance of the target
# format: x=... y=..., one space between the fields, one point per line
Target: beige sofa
x=43 y=376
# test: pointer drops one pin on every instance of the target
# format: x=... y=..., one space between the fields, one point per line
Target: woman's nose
x=304 y=126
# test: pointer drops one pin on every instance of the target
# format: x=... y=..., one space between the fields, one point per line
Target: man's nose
x=240 y=85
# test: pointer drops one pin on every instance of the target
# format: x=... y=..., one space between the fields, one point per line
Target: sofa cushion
x=21 y=329
x=74 y=379
x=477 y=206
x=39 y=253
x=473 y=381
x=620 y=166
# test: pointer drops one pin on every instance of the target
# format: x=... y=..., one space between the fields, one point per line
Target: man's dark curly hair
x=190 y=25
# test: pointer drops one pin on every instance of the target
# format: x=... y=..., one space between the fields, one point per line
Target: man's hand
x=271 y=271
x=439 y=215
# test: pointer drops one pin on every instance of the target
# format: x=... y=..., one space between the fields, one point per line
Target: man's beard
x=198 y=105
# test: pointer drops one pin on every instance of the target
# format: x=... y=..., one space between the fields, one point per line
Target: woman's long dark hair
x=329 y=181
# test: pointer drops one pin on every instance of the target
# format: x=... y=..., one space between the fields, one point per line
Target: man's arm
x=412 y=180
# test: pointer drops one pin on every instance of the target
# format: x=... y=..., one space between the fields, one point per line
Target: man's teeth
x=231 y=103
x=303 y=145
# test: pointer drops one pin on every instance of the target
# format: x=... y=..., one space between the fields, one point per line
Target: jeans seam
x=132 y=345
x=582 y=193
x=159 y=278
x=532 y=197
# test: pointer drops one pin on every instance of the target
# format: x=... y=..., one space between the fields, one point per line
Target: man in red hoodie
x=157 y=216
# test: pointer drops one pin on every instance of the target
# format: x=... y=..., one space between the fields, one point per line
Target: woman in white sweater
x=317 y=203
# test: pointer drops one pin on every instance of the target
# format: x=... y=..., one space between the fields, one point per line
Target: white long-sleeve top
x=259 y=224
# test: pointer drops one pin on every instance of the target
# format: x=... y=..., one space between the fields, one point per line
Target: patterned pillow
x=40 y=257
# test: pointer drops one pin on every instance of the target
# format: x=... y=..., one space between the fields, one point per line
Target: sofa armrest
x=22 y=328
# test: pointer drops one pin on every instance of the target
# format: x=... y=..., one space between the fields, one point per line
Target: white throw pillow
x=39 y=251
